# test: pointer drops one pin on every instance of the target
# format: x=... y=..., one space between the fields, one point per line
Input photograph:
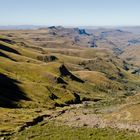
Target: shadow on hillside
x=6 y=56
x=7 y=40
x=65 y=72
x=10 y=93
x=6 y=48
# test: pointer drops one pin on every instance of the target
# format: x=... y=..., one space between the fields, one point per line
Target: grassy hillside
x=38 y=75
x=53 y=131
x=41 y=74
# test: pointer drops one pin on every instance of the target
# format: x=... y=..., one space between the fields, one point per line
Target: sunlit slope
x=34 y=76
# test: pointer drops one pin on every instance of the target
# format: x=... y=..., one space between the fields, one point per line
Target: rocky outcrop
x=47 y=59
x=81 y=31
x=65 y=72
x=33 y=122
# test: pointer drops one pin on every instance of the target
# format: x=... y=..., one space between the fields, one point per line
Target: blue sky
x=70 y=12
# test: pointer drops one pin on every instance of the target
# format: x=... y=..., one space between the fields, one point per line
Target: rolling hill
x=46 y=70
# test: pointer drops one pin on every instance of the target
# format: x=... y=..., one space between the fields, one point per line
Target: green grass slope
x=34 y=79
x=56 y=78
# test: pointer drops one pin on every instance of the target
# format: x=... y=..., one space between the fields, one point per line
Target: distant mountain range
x=133 y=29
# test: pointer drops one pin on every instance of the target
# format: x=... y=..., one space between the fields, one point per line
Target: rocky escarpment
x=65 y=72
